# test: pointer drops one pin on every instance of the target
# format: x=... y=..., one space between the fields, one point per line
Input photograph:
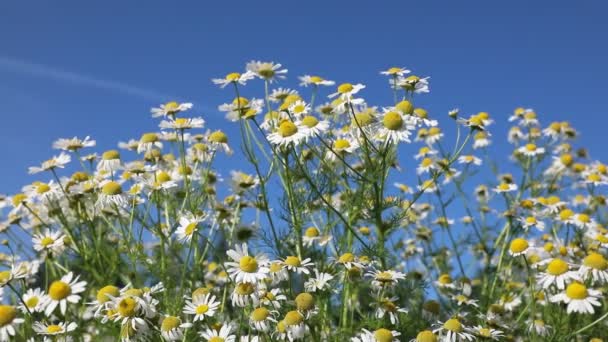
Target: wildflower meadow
x=332 y=218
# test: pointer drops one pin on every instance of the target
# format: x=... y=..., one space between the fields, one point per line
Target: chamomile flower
x=188 y=225
x=414 y=84
x=148 y=142
x=558 y=272
x=386 y=278
x=481 y=139
x=594 y=267
x=387 y=307
x=73 y=144
x=172 y=328
x=320 y=282
x=346 y=92
x=531 y=221
x=395 y=71
x=234 y=78
x=48 y=242
x=313 y=126
x=224 y=334
x=33 y=301
x=260 y=319
x=59 y=161
x=62 y=328
x=578 y=298
x=294 y=264
x=469 y=159
x=505 y=187
x=111 y=195
x=487 y=333
x=531 y=150
x=63 y=291
x=395 y=127
x=518 y=246
x=246 y=268
x=272 y=298
x=110 y=162
x=268 y=71
x=201 y=306
x=453 y=330
x=307 y=80
x=379 y=335
x=182 y=123
x=8 y=322
x=288 y=133
x=342 y=147
x=170 y=109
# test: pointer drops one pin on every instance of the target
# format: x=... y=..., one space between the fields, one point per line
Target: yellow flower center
x=127 y=307
x=531 y=147
x=445 y=279
x=293 y=318
x=426 y=336
x=453 y=325
x=576 y=291
x=346 y=257
x=383 y=335
x=59 y=290
x=519 y=245
x=7 y=314
x=32 y=302
x=345 y=88
x=244 y=289
x=316 y=79
x=248 y=264
x=218 y=137
x=557 y=267
x=170 y=323
x=287 y=129
x=110 y=155
x=216 y=339
x=584 y=218
x=596 y=261
x=485 y=332
x=42 y=188
x=171 y=106
x=5 y=276
x=531 y=220
x=102 y=294
x=393 y=71
x=275 y=267
x=363 y=119
x=18 y=199
x=426 y=162
x=421 y=113
x=341 y=144
x=148 y=138
x=504 y=187
x=233 y=76
x=292 y=261
x=46 y=241
x=305 y=301
x=240 y=102
x=259 y=314
x=565 y=214
x=202 y=309
x=111 y=188
x=266 y=71
x=392 y=121
x=405 y=107
x=311 y=232
x=310 y=121
x=384 y=276
x=54 y=328
x=190 y=228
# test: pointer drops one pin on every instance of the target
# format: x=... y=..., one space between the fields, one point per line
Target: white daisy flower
x=294 y=264
x=272 y=298
x=579 y=298
x=531 y=150
x=531 y=221
x=414 y=84
x=246 y=268
x=172 y=328
x=469 y=159
x=268 y=71
x=288 y=133
x=594 y=267
x=307 y=80
x=387 y=307
x=346 y=92
x=62 y=328
x=519 y=246
x=148 y=142
x=558 y=273
x=453 y=330
x=170 y=109
x=73 y=144
x=380 y=335
x=487 y=333
x=320 y=282
x=395 y=127
x=182 y=123
x=385 y=278
x=188 y=225
x=63 y=291
x=395 y=71
x=223 y=335
x=111 y=195
x=505 y=187
x=48 y=242
x=260 y=319
x=110 y=162
x=234 y=78
x=34 y=300
x=9 y=320
x=201 y=307
x=480 y=140
x=59 y=161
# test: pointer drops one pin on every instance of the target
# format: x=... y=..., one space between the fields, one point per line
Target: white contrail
x=40 y=70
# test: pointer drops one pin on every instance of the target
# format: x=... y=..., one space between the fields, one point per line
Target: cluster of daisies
x=320 y=235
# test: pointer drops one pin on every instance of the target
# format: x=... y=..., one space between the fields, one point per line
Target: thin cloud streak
x=40 y=70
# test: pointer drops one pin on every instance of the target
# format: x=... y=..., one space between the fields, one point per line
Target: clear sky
x=96 y=67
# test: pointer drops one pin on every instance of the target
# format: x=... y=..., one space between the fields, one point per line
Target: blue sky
x=95 y=68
